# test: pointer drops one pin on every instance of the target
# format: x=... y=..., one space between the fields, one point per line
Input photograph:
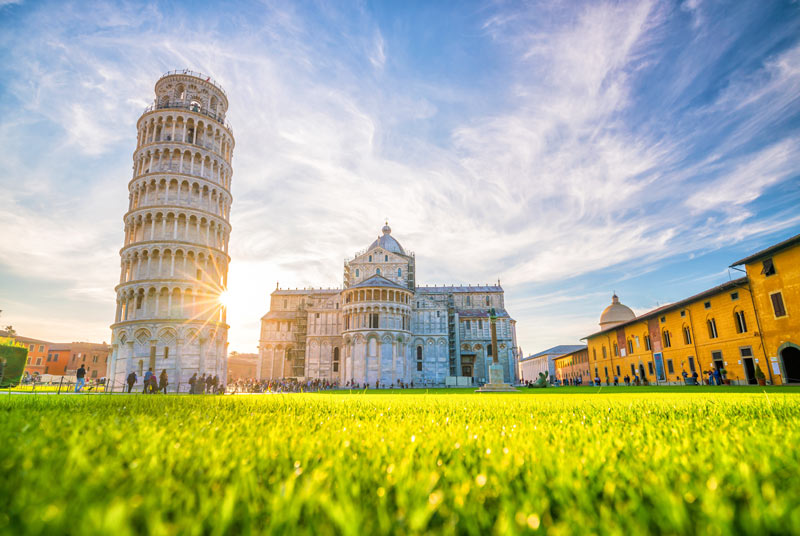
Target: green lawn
x=590 y=390
x=677 y=461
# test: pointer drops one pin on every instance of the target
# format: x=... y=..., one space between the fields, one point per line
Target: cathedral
x=382 y=329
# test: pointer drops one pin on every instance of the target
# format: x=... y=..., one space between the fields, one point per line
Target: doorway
x=791 y=364
x=749 y=370
x=467 y=365
x=717 y=360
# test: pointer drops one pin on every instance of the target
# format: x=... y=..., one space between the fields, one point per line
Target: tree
x=11 y=331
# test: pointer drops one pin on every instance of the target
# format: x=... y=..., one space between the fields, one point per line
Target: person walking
x=131 y=379
x=718 y=376
x=147 y=376
x=80 y=375
x=210 y=384
x=153 y=384
x=162 y=381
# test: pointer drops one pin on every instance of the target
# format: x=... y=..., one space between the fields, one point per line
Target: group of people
x=152 y=385
x=714 y=378
x=292 y=385
x=205 y=384
x=400 y=384
x=283 y=385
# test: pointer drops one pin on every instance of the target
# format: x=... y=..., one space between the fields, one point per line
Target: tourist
x=597 y=380
x=616 y=380
x=710 y=377
x=131 y=379
x=201 y=384
x=718 y=376
x=162 y=381
x=209 y=384
x=192 y=383
x=153 y=384
x=147 y=376
x=215 y=383
x=695 y=376
x=80 y=375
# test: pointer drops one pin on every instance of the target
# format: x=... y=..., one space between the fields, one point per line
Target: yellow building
x=744 y=326
x=774 y=278
x=573 y=367
x=715 y=329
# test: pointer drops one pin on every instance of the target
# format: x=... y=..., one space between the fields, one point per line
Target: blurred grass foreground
x=622 y=463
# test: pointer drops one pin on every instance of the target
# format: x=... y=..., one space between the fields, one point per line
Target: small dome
x=387 y=242
x=615 y=314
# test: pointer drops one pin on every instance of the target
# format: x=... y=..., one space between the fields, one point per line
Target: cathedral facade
x=380 y=328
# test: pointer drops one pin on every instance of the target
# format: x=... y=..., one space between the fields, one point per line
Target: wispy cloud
x=597 y=143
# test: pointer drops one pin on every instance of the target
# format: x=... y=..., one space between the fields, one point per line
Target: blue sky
x=570 y=149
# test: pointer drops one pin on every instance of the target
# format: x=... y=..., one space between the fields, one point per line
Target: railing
x=192 y=108
x=196 y=75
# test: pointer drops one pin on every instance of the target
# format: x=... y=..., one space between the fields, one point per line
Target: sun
x=225 y=298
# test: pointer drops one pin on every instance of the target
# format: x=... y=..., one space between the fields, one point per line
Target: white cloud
x=554 y=182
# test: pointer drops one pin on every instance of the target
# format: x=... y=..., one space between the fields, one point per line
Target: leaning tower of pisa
x=174 y=261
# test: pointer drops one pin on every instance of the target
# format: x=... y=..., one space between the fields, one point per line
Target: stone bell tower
x=174 y=259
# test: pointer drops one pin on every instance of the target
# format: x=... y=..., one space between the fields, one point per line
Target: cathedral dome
x=387 y=242
x=615 y=314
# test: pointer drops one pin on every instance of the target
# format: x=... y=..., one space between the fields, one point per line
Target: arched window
x=370 y=258
x=740 y=322
x=489 y=349
x=604 y=352
x=469 y=301
x=419 y=358
x=665 y=336
x=399 y=272
x=488 y=302
x=687 y=335
x=336 y=359
x=616 y=349
x=356 y=272
x=378 y=271
x=386 y=258
x=630 y=346
x=712 y=328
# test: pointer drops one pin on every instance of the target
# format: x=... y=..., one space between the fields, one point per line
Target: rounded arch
x=789 y=356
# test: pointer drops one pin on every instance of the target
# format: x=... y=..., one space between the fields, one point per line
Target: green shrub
x=760 y=373
x=12 y=361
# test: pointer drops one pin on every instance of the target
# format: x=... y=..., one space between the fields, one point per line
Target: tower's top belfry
x=194 y=91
